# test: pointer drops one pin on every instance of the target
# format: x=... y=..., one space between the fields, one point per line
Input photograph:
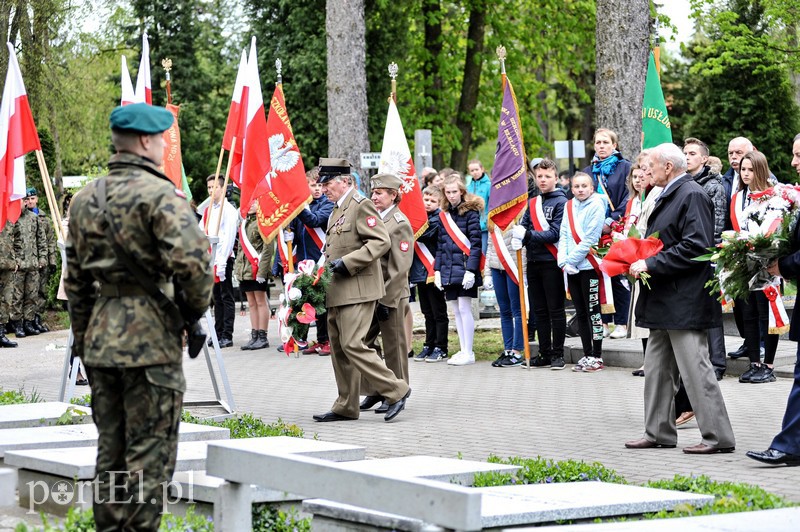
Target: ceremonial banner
x=396 y=159
x=173 y=163
x=144 y=91
x=18 y=136
x=509 y=190
x=253 y=143
x=128 y=96
x=234 y=126
x=655 y=120
x=285 y=191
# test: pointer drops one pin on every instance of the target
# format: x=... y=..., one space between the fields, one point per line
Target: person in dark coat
x=677 y=309
x=785 y=447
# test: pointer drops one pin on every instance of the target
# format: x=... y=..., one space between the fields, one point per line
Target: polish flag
x=254 y=145
x=234 y=127
x=18 y=136
x=144 y=91
x=128 y=96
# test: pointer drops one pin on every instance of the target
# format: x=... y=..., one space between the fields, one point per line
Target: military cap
x=390 y=181
x=141 y=118
x=30 y=192
x=330 y=168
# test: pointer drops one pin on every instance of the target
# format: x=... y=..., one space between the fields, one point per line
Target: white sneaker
x=620 y=331
x=606 y=331
x=462 y=359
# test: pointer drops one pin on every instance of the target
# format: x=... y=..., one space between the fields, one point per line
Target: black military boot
x=19 y=332
x=29 y=328
x=37 y=321
x=253 y=339
x=4 y=341
x=262 y=342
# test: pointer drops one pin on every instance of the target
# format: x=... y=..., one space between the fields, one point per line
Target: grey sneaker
x=764 y=374
x=557 y=363
x=436 y=355
x=754 y=368
x=512 y=360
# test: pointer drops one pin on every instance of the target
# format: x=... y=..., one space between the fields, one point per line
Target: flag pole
x=657 y=49
x=51 y=196
x=224 y=186
x=393 y=74
x=289 y=258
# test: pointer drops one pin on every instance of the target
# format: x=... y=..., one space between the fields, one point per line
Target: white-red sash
x=540 y=223
x=317 y=235
x=426 y=257
x=736 y=210
x=458 y=236
x=205 y=225
x=778 y=319
x=503 y=254
x=606 y=292
x=253 y=257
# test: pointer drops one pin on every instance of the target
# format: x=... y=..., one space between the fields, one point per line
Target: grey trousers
x=670 y=352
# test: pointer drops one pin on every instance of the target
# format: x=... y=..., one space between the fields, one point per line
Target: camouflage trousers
x=137 y=411
x=44 y=280
x=7 y=312
x=26 y=294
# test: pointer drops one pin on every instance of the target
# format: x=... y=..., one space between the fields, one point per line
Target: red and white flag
x=254 y=146
x=234 y=127
x=285 y=191
x=144 y=91
x=128 y=96
x=396 y=159
x=18 y=136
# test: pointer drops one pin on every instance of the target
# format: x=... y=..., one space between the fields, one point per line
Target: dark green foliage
x=544 y=471
x=247 y=426
x=85 y=400
x=269 y=519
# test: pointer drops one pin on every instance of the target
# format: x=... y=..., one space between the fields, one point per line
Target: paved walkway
x=471 y=411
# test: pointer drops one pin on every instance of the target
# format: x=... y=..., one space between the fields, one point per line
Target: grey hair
x=346 y=178
x=669 y=152
x=796 y=137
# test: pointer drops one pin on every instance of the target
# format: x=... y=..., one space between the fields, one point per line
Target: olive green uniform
x=356 y=235
x=31 y=253
x=47 y=233
x=395 y=265
x=8 y=264
x=132 y=351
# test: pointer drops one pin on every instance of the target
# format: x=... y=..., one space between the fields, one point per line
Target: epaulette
x=358 y=197
x=399 y=218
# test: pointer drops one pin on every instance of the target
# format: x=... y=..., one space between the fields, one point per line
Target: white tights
x=465 y=323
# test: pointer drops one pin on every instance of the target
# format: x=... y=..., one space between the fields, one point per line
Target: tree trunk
x=347 y=80
x=470 y=85
x=432 y=83
x=623 y=42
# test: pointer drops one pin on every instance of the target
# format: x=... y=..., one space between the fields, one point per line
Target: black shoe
x=81 y=381
x=225 y=342
x=370 y=401
x=541 y=361
x=764 y=374
x=739 y=353
x=426 y=350
x=557 y=363
x=253 y=337
x=5 y=342
x=775 y=457
x=754 y=367
x=19 y=332
x=28 y=327
x=512 y=360
x=383 y=408
x=396 y=408
x=210 y=342
x=37 y=320
x=331 y=416
x=261 y=341
x=500 y=359
x=437 y=355
x=639 y=373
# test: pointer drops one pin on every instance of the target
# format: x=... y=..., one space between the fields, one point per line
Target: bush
x=268 y=519
x=85 y=400
x=17 y=397
x=544 y=471
x=247 y=426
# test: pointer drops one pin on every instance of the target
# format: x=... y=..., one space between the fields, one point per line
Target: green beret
x=141 y=118
x=330 y=168
x=30 y=192
x=390 y=181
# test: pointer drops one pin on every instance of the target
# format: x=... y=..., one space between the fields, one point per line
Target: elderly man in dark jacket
x=678 y=309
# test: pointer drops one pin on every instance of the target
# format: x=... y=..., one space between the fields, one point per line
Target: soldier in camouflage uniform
x=8 y=266
x=47 y=233
x=31 y=253
x=130 y=347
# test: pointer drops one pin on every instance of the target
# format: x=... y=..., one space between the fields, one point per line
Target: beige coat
x=396 y=262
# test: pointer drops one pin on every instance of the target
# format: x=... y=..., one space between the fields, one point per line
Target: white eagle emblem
x=283 y=156
x=399 y=164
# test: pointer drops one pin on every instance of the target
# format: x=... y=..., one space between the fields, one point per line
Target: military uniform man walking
x=389 y=318
x=130 y=345
x=356 y=239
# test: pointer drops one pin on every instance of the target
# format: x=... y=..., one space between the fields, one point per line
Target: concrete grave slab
x=39 y=414
x=430 y=467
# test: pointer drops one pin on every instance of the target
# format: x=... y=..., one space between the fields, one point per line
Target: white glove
x=519 y=232
x=469 y=280
x=516 y=243
x=488 y=284
x=437 y=280
x=260 y=280
x=571 y=270
x=288 y=236
x=221 y=274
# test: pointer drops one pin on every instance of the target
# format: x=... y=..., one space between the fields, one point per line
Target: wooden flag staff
x=51 y=196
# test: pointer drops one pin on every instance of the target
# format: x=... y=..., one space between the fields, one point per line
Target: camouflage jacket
x=7 y=255
x=242 y=268
x=154 y=223
x=48 y=235
x=29 y=242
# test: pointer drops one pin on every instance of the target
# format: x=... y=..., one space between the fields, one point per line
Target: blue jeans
x=507 y=294
x=484 y=241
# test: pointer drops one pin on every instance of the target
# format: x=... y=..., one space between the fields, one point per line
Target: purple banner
x=509 y=177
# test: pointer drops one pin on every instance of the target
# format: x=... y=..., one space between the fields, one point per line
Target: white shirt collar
x=385 y=213
x=340 y=201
